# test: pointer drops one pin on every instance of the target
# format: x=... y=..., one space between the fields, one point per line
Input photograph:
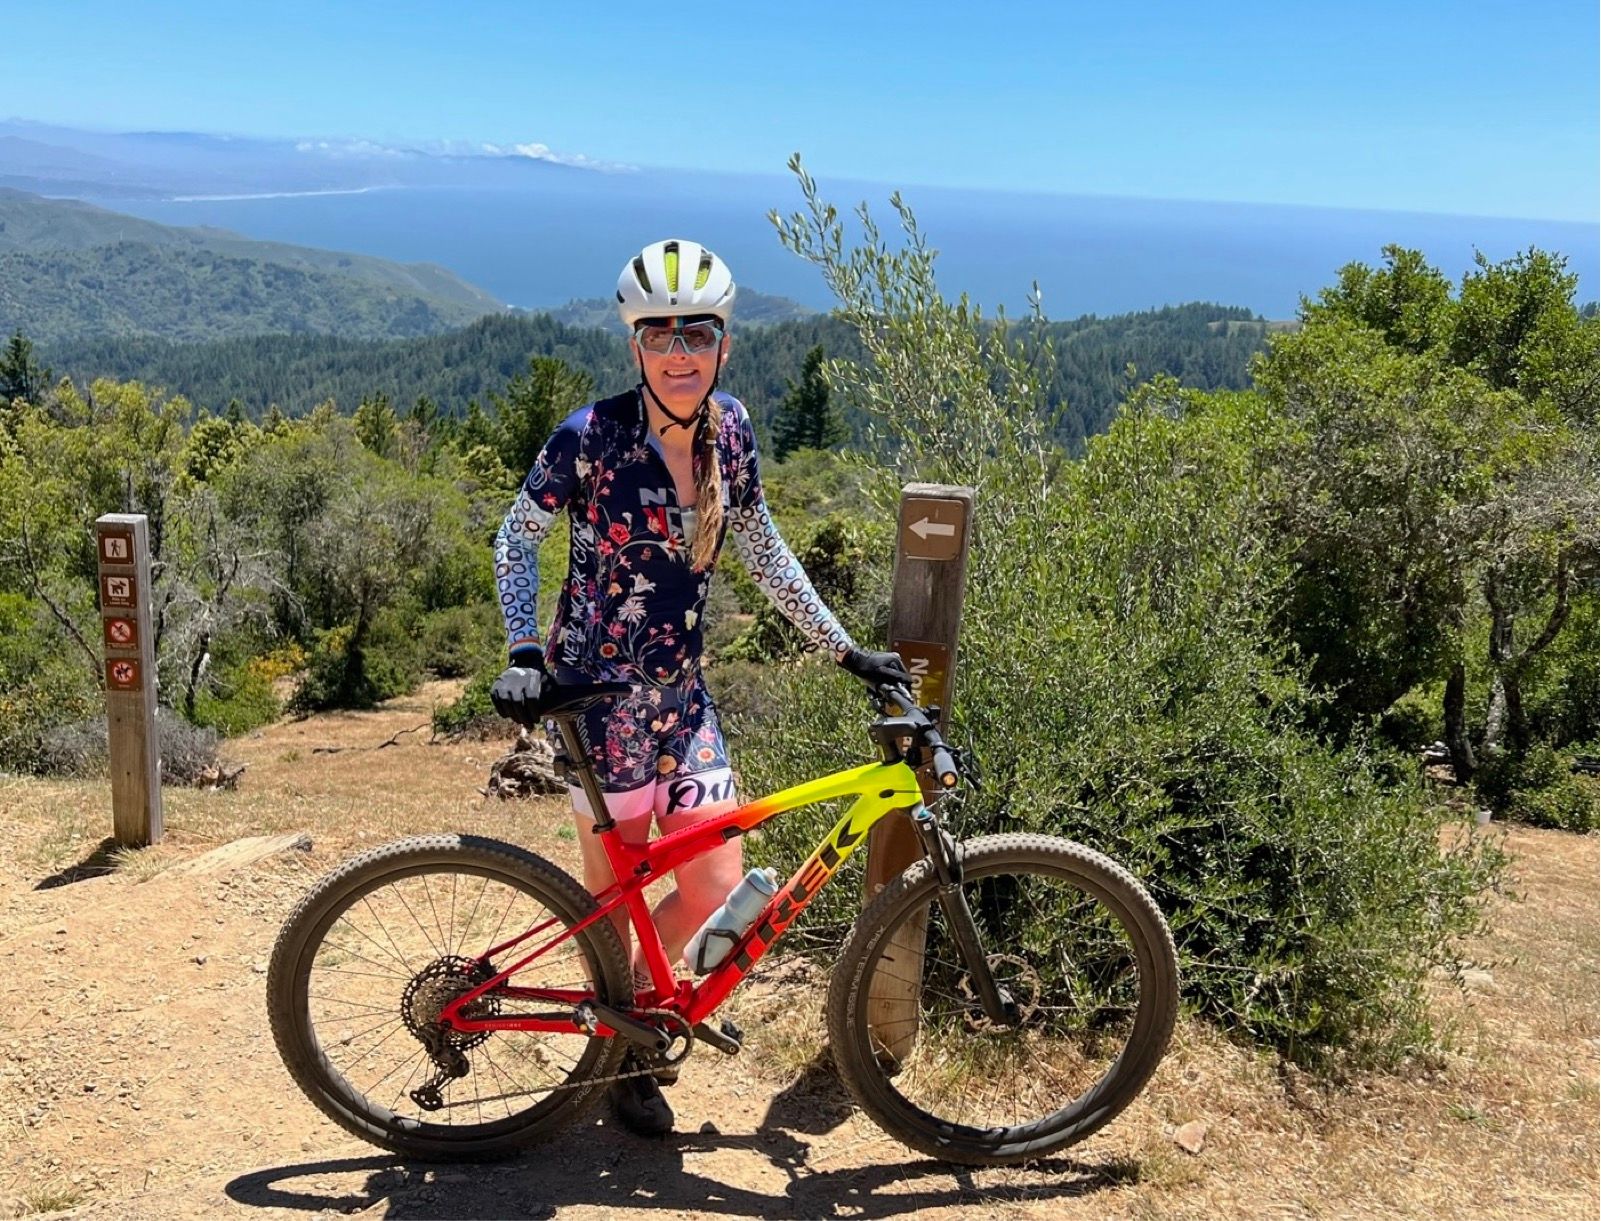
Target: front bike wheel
x=1080 y=948
x=371 y=955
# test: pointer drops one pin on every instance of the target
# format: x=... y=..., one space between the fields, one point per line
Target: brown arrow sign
x=931 y=529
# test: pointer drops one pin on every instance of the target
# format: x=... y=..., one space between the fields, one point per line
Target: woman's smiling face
x=680 y=379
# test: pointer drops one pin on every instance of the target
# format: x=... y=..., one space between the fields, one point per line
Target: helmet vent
x=639 y=273
x=670 y=258
x=705 y=271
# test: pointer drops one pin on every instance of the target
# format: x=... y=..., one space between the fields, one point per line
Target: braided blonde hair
x=708 y=487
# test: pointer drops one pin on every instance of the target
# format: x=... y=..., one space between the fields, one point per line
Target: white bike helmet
x=671 y=279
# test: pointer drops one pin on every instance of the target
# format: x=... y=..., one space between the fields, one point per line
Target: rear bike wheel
x=371 y=955
x=1079 y=946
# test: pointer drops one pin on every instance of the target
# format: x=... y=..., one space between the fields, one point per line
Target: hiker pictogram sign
x=116 y=547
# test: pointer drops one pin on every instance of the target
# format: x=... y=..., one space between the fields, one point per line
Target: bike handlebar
x=946 y=773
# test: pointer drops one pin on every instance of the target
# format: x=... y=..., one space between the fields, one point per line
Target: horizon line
x=595 y=166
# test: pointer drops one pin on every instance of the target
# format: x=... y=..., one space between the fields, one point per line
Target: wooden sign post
x=122 y=542
x=925 y=616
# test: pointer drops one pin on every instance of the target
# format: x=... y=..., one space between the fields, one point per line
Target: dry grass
x=1502 y=1125
x=325 y=775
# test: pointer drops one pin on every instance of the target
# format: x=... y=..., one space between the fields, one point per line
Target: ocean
x=567 y=239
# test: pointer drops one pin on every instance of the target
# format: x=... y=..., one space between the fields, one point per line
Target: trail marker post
x=122 y=543
x=925 y=618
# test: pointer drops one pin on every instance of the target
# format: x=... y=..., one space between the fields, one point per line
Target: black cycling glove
x=521 y=685
x=877 y=668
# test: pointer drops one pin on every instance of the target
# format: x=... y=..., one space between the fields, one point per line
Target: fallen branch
x=398 y=733
x=393 y=741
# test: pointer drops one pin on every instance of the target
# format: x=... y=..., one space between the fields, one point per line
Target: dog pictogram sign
x=117 y=591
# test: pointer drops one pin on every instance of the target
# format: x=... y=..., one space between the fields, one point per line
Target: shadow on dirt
x=600 y=1166
x=98 y=863
x=627 y=1176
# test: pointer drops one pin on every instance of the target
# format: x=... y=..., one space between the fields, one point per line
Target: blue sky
x=1417 y=105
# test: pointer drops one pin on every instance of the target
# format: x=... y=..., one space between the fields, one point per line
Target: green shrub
x=43 y=683
x=1539 y=788
x=471 y=711
x=244 y=700
x=1568 y=805
x=456 y=641
x=339 y=674
x=845 y=558
x=1414 y=721
x=1123 y=682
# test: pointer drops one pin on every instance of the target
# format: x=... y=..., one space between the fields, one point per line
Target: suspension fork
x=940 y=848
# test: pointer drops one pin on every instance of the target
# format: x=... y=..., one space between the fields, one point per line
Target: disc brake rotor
x=1018 y=977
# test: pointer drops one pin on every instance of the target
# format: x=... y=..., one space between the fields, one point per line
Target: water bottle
x=725 y=926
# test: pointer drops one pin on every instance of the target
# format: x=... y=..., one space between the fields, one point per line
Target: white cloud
x=356 y=149
x=543 y=152
x=350 y=148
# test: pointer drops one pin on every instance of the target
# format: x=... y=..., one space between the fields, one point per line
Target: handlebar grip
x=946 y=774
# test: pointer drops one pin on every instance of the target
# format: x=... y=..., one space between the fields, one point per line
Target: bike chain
x=444 y=1073
x=671 y=1015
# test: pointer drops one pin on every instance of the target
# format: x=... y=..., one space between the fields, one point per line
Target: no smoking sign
x=121 y=633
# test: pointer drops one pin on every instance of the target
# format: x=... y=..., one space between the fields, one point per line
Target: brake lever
x=967 y=766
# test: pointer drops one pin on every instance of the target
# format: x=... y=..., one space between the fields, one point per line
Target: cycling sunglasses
x=696 y=337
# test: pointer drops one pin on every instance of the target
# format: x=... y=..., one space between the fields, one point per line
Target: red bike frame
x=880 y=789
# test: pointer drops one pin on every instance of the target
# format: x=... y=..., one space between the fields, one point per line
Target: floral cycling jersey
x=631 y=605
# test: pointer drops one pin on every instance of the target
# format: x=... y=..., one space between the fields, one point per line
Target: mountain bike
x=452 y=997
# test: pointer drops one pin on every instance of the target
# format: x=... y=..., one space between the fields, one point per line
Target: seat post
x=578 y=761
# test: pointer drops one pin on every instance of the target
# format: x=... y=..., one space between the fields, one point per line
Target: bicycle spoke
x=393 y=954
x=383 y=928
x=1075 y=997
x=405 y=971
x=444 y=938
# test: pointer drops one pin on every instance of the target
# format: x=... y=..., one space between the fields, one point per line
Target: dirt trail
x=138 y=1078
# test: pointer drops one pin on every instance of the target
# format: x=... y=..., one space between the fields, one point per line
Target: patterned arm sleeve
x=773 y=566
x=768 y=559
x=543 y=494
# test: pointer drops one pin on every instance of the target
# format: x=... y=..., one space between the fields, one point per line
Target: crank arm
x=592 y=1016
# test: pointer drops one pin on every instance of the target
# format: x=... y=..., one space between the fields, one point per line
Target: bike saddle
x=567 y=700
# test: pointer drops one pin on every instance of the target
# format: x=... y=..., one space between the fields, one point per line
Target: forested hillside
x=454 y=369
x=69 y=270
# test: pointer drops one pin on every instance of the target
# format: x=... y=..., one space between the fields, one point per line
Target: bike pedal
x=727 y=1038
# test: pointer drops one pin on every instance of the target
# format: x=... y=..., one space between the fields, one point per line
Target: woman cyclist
x=652 y=481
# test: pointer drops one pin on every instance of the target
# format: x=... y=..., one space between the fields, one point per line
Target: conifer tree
x=806 y=419
x=376 y=424
x=21 y=375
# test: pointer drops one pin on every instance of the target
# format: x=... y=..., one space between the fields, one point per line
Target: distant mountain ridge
x=55 y=160
x=71 y=270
